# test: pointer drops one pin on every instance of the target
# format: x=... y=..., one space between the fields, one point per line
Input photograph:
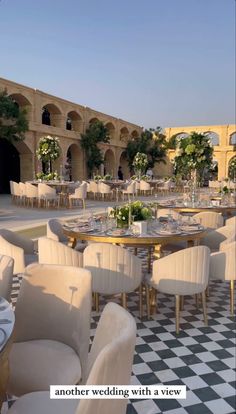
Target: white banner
x=118 y=391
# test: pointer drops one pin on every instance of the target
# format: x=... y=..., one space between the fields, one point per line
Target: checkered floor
x=202 y=358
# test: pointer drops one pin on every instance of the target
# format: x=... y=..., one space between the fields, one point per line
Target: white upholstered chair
x=110 y=362
x=231 y=221
x=215 y=237
x=105 y=190
x=20 y=248
x=182 y=273
x=31 y=192
x=114 y=270
x=209 y=219
x=6 y=274
x=55 y=232
x=51 y=340
x=54 y=252
x=223 y=267
x=93 y=188
x=130 y=190
x=145 y=188
x=47 y=195
x=80 y=194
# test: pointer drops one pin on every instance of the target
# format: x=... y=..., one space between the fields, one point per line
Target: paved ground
x=14 y=217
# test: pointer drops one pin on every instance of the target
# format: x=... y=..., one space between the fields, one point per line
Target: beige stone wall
x=60 y=109
x=120 y=132
x=223 y=152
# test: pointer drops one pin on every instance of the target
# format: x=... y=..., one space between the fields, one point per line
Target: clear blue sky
x=152 y=62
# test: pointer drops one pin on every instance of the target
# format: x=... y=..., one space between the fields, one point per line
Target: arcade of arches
x=50 y=115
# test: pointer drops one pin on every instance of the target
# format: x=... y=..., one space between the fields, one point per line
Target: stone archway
x=134 y=134
x=232 y=139
x=16 y=163
x=111 y=130
x=74 y=122
x=74 y=167
x=124 y=165
x=23 y=103
x=109 y=163
x=124 y=134
x=93 y=120
x=214 y=137
x=51 y=115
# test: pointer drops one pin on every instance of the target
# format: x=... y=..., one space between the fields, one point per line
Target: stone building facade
x=223 y=139
x=68 y=120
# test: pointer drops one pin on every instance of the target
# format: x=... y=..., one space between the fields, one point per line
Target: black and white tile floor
x=202 y=358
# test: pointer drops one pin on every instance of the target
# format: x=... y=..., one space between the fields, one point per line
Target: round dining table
x=226 y=210
x=152 y=239
x=7 y=322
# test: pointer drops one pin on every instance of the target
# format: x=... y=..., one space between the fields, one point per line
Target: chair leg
x=124 y=300
x=97 y=301
x=181 y=302
x=141 y=300
x=232 y=297
x=153 y=301
x=204 y=307
x=177 y=313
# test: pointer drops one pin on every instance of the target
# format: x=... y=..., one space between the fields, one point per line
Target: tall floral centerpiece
x=48 y=151
x=194 y=155
x=140 y=163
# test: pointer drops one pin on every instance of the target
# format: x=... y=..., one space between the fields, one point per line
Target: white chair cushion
x=39 y=403
x=41 y=363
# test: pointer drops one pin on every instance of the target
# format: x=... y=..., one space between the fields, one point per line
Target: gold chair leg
x=153 y=300
x=177 y=313
x=232 y=297
x=181 y=302
x=97 y=301
x=124 y=300
x=141 y=300
x=204 y=307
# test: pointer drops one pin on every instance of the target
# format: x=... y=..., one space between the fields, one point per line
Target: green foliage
x=47 y=177
x=194 y=152
x=151 y=142
x=96 y=133
x=13 y=122
x=138 y=210
x=232 y=168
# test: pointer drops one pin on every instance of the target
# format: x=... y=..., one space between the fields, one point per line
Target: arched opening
x=232 y=169
x=16 y=163
x=214 y=137
x=74 y=122
x=232 y=139
x=124 y=134
x=51 y=115
x=73 y=169
x=134 y=134
x=181 y=135
x=9 y=165
x=109 y=163
x=124 y=165
x=93 y=120
x=23 y=103
x=111 y=130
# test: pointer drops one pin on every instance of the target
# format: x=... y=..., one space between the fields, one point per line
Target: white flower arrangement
x=140 y=162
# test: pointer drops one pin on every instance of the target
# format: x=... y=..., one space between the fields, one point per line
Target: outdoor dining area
x=139 y=290
x=133 y=259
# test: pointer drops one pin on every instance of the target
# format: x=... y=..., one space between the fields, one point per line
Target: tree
x=13 y=122
x=151 y=142
x=96 y=133
x=193 y=153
